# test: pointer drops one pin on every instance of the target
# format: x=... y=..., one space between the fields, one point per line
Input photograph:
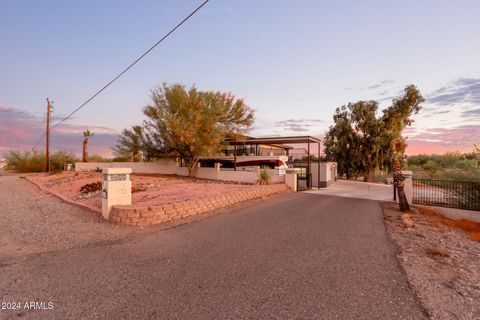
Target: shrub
x=430 y=166
x=25 y=161
x=265 y=176
x=59 y=158
x=35 y=161
x=98 y=158
x=471 y=227
x=466 y=164
x=121 y=159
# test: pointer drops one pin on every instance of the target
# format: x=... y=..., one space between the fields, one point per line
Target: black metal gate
x=304 y=181
x=450 y=194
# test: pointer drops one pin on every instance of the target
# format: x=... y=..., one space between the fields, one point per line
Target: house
x=246 y=153
x=241 y=160
x=297 y=154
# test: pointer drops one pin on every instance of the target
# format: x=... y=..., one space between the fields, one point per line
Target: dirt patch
x=147 y=190
x=34 y=222
x=441 y=260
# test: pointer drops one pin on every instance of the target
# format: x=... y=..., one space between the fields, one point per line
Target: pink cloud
x=441 y=140
x=20 y=130
x=425 y=147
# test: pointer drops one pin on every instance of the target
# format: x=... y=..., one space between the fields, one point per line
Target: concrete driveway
x=301 y=256
x=356 y=189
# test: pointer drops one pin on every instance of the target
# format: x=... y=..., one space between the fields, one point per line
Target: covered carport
x=311 y=144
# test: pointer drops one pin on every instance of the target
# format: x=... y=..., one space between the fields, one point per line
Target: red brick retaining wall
x=145 y=216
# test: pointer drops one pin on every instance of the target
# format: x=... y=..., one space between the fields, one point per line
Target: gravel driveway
x=35 y=222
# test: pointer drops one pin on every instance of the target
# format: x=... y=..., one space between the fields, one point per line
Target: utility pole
x=47 y=137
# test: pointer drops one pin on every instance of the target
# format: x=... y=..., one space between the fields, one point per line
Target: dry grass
x=475 y=236
x=438 y=252
x=389 y=218
x=472 y=228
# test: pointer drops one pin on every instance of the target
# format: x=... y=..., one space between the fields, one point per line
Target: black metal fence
x=304 y=181
x=450 y=194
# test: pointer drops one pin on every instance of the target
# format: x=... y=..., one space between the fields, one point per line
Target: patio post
x=318 y=186
x=234 y=155
x=308 y=165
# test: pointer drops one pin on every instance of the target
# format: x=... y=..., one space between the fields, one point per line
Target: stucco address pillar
x=291 y=180
x=116 y=189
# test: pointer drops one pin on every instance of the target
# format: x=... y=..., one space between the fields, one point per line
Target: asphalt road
x=301 y=256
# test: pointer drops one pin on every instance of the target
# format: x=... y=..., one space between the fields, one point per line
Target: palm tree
x=86 y=135
x=398 y=147
x=129 y=144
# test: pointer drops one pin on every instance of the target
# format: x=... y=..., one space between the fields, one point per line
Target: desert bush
x=418 y=160
x=25 y=161
x=466 y=164
x=59 y=158
x=458 y=175
x=475 y=236
x=265 y=176
x=472 y=228
x=121 y=159
x=98 y=158
x=430 y=166
x=35 y=161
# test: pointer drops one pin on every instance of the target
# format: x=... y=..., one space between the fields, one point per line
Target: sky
x=294 y=63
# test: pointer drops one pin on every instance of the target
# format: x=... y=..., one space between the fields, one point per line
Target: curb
x=129 y=215
x=64 y=199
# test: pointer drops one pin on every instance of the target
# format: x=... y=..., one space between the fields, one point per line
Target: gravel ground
x=149 y=190
x=442 y=265
x=35 y=222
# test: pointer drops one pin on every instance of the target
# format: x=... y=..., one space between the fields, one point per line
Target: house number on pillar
x=116 y=177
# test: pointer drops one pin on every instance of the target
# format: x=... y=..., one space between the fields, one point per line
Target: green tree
x=342 y=143
x=153 y=145
x=191 y=123
x=361 y=142
x=129 y=144
x=431 y=167
x=86 y=135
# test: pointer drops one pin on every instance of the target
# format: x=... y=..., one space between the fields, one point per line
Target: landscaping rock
x=442 y=263
x=91 y=187
x=407 y=220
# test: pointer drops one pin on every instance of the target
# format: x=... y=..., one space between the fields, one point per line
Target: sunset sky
x=293 y=61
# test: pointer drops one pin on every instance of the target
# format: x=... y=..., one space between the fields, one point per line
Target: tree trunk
x=402 y=199
x=192 y=168
x=136 y=152
x=85 y=150
x=135 y=156
x=368 y=176
x=398 y=182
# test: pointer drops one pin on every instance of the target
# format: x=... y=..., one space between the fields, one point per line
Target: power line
x=127 y=68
